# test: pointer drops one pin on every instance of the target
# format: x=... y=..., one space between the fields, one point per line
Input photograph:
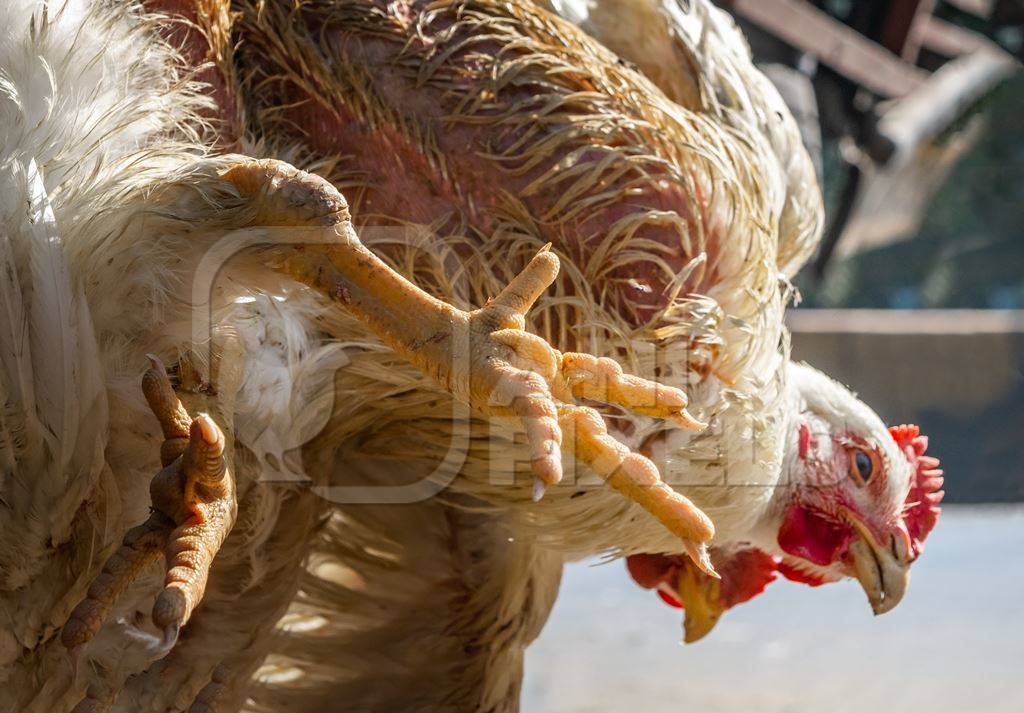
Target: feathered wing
x=53 y=427
x=76 y=97
x=666 y=217
x=698 y=57
x=94 y=119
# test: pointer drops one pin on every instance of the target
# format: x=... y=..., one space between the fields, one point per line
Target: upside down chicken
x=425 y=299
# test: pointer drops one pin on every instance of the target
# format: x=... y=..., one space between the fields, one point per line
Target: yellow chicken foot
x=638 y=479
x=483 y=357
x=194 y=508
x=603 y=380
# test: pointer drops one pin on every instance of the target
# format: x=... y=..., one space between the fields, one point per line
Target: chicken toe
x=194 y=506
x=603 y=380
x=140 y=547
x=200 y=488
x=638 y=479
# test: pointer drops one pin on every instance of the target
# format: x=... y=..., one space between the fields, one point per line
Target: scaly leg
x=483 y=357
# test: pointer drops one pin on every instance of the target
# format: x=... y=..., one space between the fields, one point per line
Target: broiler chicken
x=671 y=41
x=345 y=493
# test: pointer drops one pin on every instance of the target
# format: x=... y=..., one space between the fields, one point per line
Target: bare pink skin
x=406 y=186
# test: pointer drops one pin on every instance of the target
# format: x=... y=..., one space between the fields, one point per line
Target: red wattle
x=809 y=536
x=649 y=571
x=745 y=574
x=669 y=599
x=796 y=575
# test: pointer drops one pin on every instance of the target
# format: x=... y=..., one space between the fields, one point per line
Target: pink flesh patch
x=397 y=166
x=805 y=440
x=809 y=536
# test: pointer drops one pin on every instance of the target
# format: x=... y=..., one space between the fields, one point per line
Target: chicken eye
x=863 y=464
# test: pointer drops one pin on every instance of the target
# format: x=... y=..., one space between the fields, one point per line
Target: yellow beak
x=701 y=600
x=882 y=570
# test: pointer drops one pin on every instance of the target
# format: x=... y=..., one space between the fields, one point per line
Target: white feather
x=15 y=364
x=51 y=319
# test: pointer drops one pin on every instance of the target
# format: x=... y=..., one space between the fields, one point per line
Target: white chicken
x=467 y=136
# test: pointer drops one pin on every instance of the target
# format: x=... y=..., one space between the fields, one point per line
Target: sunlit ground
x=956 y=643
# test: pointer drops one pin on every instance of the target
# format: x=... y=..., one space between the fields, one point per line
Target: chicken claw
x=603 y=380
x=638 y=479
x=194 y=508
x=140 y=547
x=484 y=357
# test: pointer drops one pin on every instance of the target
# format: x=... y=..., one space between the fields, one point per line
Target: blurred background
x=913 y=111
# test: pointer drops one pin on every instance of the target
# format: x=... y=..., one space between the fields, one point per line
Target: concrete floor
x=954 y=645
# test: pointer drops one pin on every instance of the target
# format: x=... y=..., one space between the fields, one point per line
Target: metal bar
x=907 y=321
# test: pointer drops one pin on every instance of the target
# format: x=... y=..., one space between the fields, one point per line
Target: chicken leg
x=483 y=357
x=193 y=510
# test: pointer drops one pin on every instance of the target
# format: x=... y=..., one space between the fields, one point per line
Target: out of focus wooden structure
x=895 y=84
x=899 y=86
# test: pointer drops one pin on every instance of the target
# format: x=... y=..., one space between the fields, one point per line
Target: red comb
x=921 y=510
